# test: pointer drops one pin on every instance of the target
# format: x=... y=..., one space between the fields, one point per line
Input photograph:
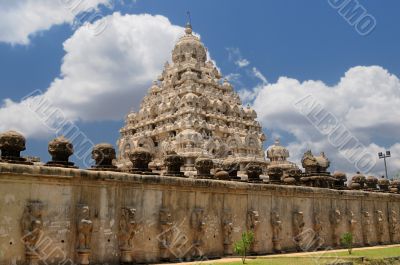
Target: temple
x=190 y=111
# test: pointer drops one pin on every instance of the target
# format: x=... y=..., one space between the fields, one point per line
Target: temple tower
x=190 y=111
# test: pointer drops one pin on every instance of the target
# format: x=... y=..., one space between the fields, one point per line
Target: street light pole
x=384 y=156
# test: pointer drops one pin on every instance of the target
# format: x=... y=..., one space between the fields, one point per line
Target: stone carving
x=380 y=226
x=32 y=230
x=275 y=175
x=222 y=175
x=253 y=221
x=353 y=225
x=317 y=227
x=292 y=177
x=335 y=218
x=190 y=111
x=198 y=224
x=12 y=144
x=253 y=173
x=104 y=154
x=394 y=226
x=167 y=233
x=203 y=166
x=140 y=159
x=60 y=150
x=298 y=225
x=173 y=162
x=357 y=182
x=315 y=164
x=276 y=232
x=339 y=179
x=383 y=184
x=278 y=155
x=127 y=230
x=85 y=229
x=227 y=228
x=395 y=186
x=371 y=183
x=366 y=227
x=232 y=168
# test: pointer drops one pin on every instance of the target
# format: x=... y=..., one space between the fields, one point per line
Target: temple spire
x=188 y=28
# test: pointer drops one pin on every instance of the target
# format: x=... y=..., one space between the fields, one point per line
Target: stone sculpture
x=232 y=167
x=12 y=144
x=276 y=232
x=253 y=173
x=140 y=159
x=339 y=179
x=60 y=150
x=104 y=154
x=394 y=226
x=371 y=183
x=173 y=163
x=203 y=166
x=298 y=225
x=380 y=226
x=167 y=233
x=317 y=227
x=278 y=155
x=198 y=224
x=127 y=230
x=32 y=230
x=227 y=228
x=85 y=229
x=395 y=186
x=358 y=182
x=221 y=175
x=366 y=227
x=353 y=223
x=315 y=164
x=335 y=218
x=253 y=221
x=275 y=175
x=383 y=184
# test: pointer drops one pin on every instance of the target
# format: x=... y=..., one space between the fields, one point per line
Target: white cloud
x=242 y=63
x=101 y=76
x=259 y=75
x=21 y=19
x=365 y=101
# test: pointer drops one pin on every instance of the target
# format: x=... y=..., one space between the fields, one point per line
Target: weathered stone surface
x=12 y=144
x=104 y=154
x=105 y=192
x=140 y=159
x=60 y=150
x=204 y=166
x=173 y=163
x=253 y=173
x=358 y=182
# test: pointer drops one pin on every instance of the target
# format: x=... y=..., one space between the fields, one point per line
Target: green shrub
x=347 y=241
x=242 y=246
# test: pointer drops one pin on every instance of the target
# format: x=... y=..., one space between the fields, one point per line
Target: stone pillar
x=32 y=231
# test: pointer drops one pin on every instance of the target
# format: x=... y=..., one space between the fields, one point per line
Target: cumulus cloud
x=362 y=109
x=21 y=19
x=102 y=76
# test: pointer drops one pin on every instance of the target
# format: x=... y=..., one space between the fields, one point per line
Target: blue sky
x=301 y=40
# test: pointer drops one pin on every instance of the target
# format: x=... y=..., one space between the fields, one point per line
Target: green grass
x=319 y=258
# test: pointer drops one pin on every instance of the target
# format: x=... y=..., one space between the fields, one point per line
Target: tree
x=242 y=246
x=347 y=241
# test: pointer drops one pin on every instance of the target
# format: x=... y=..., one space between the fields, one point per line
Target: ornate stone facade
x=189 y=111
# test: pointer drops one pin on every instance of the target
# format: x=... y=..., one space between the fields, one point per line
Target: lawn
x=324 y=258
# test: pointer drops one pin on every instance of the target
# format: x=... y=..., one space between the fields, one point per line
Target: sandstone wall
x=190 y=202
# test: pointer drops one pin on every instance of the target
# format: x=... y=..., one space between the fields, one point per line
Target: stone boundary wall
x=66 y=216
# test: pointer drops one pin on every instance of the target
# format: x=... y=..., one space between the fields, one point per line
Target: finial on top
x=188 y=28
x=277 y=141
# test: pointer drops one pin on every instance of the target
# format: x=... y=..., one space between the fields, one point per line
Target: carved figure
x=318 y=226
x=380 y=226
x=203 y=166
x=166 y=236
x=127 y=230
x=253 y=221
x=336 y=218
x=198 y=225
x=60 y=150
x=85 y=228
x=253 y=172
x=227 y=228
x=32 y=230
x=276 y=232
x=298 y=225
x=394 y=226
x=315 y=164
x=12 y=144
x=104 y=154
x=140 y=159
x=173 y=162
x=366 y=227
x=353 y=225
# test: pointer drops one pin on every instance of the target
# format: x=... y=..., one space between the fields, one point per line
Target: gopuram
x=189 y=177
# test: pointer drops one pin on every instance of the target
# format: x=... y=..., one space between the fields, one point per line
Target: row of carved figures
x=171 y=238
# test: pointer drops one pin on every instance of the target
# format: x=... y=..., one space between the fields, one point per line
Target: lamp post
x=384 y=155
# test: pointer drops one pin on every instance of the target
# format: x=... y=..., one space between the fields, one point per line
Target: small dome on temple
x=189 y=47
x=277 y=152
